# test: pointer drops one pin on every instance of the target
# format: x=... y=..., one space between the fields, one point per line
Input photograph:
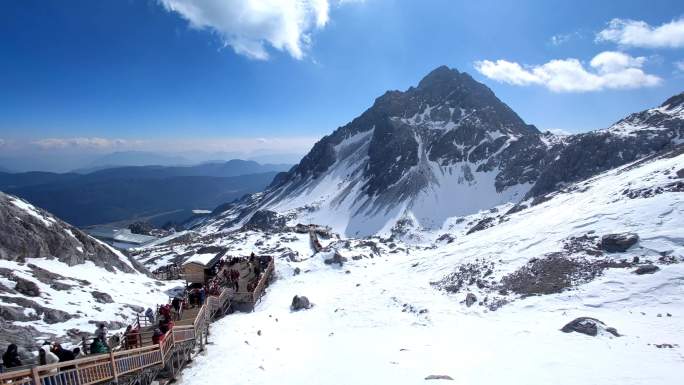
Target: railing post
x=35 y=375
x=113 y=363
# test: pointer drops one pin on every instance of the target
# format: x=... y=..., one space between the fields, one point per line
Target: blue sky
x=186 y=74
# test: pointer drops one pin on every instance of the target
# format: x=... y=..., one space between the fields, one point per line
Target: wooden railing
x=263 y=281
x=110 y=366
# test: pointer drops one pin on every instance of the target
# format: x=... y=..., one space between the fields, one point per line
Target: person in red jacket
x=157 y=336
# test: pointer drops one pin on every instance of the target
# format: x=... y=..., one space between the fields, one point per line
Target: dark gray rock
x=13 y=313
x=135 y=308
x=101 y=297
x=53 y=316
x=300 y=302
x=111 y=325
x=618 y=243
x=470 y=299
x=439 y=377
x=266 y=220
x=589 y=326
x=646 y=269
x=26 y=287
x=680 y=173
x=60 y=286
x=335 y=259
x=296 y=271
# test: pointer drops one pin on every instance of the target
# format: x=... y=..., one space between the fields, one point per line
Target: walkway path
x=143 y=364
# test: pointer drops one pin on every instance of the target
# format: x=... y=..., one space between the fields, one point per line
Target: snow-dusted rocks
x=589 y=326
x=300 y=302
x=618 y=243
x=646 y=269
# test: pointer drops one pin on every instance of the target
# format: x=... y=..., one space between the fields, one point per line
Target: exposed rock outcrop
x=300 y=302
x=589 y=326
x=618 y=243
x=29 y=232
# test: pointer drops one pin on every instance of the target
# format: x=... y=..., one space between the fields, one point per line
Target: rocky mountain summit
x=448 y=147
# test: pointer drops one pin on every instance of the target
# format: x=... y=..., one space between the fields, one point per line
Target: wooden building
x=200 y=268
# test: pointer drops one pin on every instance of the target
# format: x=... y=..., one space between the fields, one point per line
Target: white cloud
x=609 y=70
x=679 y=65
x=2 y=142
x=249 y=25
x=640 y=34
x=91 y=143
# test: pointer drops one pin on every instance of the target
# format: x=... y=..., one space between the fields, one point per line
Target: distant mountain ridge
x=131 y=192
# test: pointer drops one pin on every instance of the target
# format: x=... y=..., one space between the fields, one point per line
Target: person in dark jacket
x=63 y=354
x=11 y=357
x=176 y=304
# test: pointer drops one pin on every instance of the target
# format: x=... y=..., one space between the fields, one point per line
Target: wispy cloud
x=238 y=145
x=82 y=142
x=634 y=33
x=608 y=70
x=679 y=65
x=563 y=38
x=248 y=26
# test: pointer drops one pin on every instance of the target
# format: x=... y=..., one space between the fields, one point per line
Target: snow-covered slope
x=394 y=312
x=58 y=282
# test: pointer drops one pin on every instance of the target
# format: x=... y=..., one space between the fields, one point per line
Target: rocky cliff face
x=29 y=232
x=640 y=134
x=448 y=147
x=61 y=280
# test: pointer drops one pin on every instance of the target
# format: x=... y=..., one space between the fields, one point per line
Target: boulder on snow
x=266 y=220
x=589 y=326
x=680 y=173
x=618 y=243
x=26 y=287
x=470 y=299
x=439 y=377
x=300 y=302
x=101 y=297
x=337 y=258
x=646 y=269
x=54 y=316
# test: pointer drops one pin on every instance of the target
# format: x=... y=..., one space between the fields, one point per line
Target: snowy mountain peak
x=446 y=148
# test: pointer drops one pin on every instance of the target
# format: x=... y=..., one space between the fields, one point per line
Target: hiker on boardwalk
x=235 y=275
x=63 y=354
x=201 y=295
x=46 y=357
x=157 y=336
x=132 y=336
x=149 y=313
x=101 y=333
x=11 y=357
x=165 y=311
x=98 y=347
x=177 y=306
x=165 y=324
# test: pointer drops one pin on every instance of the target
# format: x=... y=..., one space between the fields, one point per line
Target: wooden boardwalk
x=141 y=365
